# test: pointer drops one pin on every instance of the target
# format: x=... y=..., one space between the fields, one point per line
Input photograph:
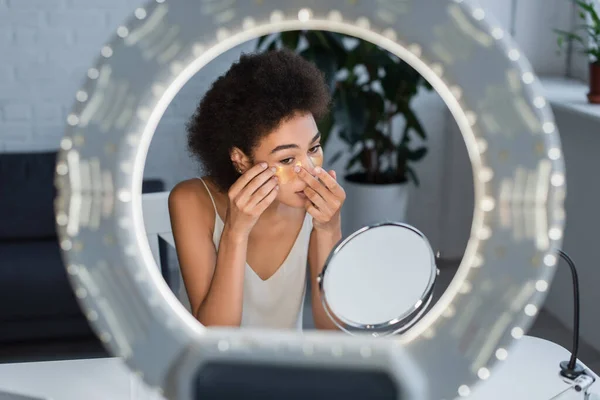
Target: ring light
x=491 y=91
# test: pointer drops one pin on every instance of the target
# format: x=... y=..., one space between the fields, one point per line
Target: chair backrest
x=155 y=208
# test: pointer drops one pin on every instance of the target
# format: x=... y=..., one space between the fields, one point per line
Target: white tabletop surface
x=530 y=372
x=89 y=379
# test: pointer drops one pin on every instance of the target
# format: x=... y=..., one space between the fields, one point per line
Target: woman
x=245 y=232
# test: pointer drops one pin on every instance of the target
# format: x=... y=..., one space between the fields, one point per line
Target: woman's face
x=296 y=142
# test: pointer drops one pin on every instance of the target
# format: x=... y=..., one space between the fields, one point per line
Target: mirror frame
x=396 y=325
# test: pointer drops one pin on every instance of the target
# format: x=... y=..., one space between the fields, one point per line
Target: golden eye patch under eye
x=317 y=159
x=286 y=173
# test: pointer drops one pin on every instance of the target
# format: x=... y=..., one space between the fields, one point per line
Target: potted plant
x=372 y=91
x=587 y=34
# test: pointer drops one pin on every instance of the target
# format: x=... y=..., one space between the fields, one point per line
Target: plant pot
x=594 y=94
x=367 y=204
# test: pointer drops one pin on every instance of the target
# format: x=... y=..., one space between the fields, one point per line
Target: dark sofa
x=36 y=299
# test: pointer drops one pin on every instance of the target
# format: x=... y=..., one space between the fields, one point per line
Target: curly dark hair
x=248 y=102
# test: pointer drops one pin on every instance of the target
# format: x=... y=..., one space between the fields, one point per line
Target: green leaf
x=328 y=41
x=325 y=125
x=401 y=82
x=375 y=103
x=324 y=60
x=590 y=9
x=272 y=46
x=261 y=41
x=320 y=39
x=413 y=175
x=290 y=39
x=383 y=143
x=418 y=154
x=336 y=40
x=590 y=29
x=595 y=53
x=367 y=54
x=353 y=160
x=570 y=36
x=405 y=136
x=391 y=84
x=335 y=157
x=412 y=121
x=350 y=113
x=402 y=156
x=427 y=85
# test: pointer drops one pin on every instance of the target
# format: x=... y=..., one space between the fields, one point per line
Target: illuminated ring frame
x=402 y=322
x=491 y=91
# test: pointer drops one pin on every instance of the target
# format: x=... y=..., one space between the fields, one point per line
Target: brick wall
x=46 y=47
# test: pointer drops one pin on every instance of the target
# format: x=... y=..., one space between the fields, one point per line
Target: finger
x=314 y=184
x=329 y=181
x=246 y=178
x=259 y=180
x=255 y=184
x=262 y=192
x=333 y=174
x=267 y=201
x=313 y=211
x=317 y=200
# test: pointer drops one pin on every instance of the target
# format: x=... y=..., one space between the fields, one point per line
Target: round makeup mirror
x=379 y=280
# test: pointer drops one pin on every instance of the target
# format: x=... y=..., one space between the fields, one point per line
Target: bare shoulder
x=191 y=198
x=188 y=190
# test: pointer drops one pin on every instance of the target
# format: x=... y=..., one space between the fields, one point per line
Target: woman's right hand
x=249 y=197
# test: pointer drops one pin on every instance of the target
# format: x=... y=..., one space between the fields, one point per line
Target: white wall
x=580 y=136
x=45 y=47
x=534 y=24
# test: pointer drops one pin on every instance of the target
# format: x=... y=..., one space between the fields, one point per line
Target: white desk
x=529 y=373
x=89 y=379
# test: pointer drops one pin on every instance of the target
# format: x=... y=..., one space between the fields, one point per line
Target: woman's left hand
x=325 y=198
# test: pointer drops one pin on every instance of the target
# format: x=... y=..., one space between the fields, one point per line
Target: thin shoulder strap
x=210 y=194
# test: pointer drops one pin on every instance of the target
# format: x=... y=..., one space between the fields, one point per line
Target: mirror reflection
x=379 y=280
x=296 y=141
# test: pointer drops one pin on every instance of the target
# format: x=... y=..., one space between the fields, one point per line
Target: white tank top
x=275 y=303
